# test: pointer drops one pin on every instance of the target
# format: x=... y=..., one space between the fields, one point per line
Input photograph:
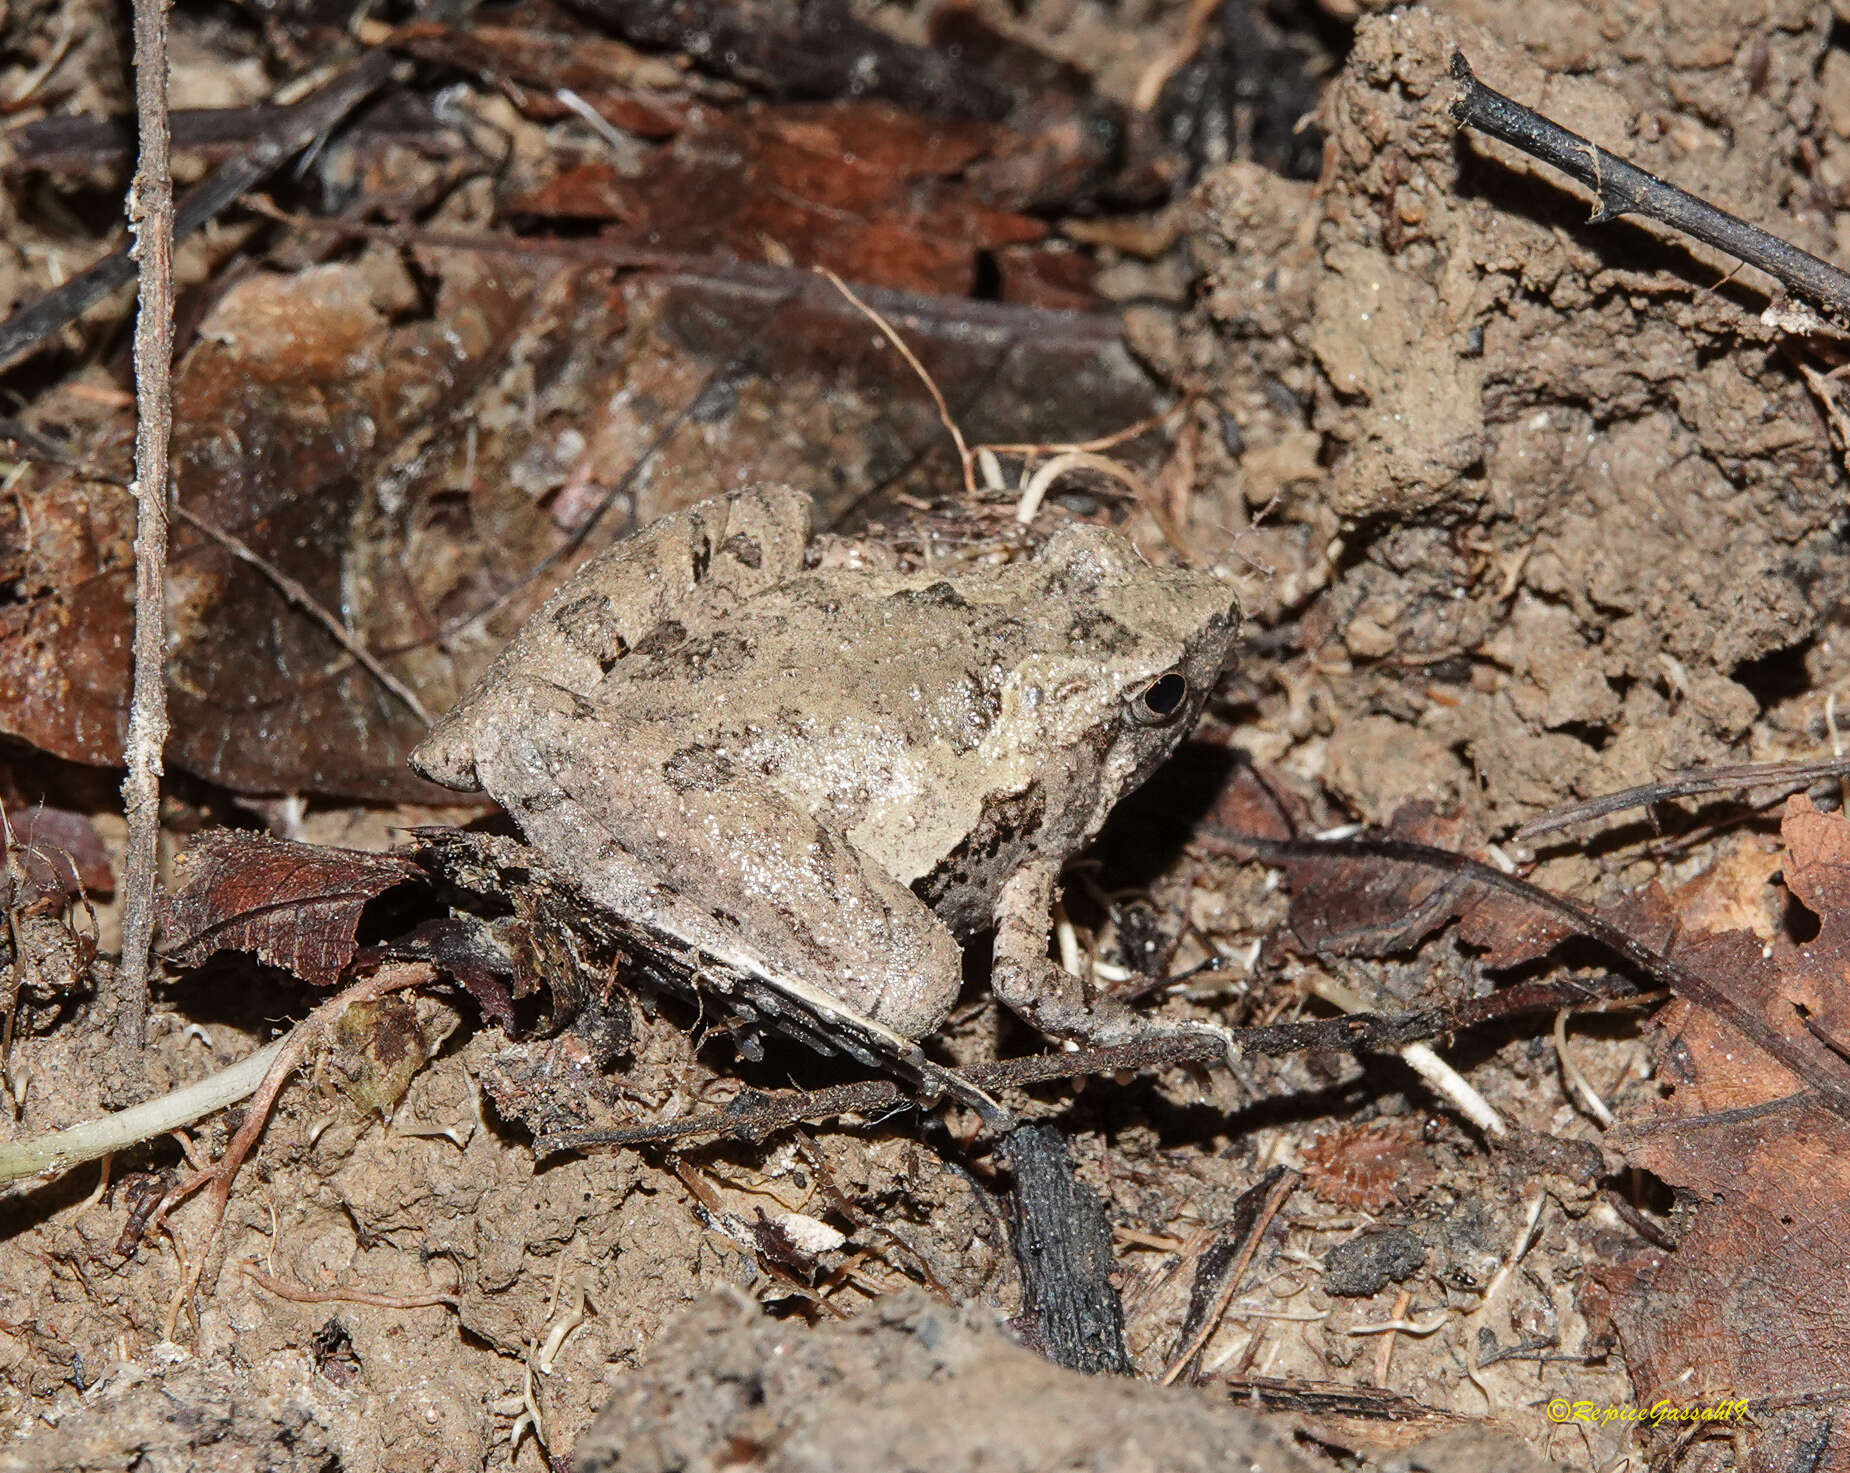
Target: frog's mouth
x=1142 y=766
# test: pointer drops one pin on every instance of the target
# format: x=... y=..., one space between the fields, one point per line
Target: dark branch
x=1623 y=188
x=307 y=121
x=753 y=1114
x=1062 y=1246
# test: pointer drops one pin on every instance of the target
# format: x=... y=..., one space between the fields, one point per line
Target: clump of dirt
x=1548 y=510
x=175 y=1412
x=465 y=1284
x=908 y=1382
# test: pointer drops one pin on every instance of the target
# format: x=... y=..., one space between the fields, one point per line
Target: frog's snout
x=443 y=759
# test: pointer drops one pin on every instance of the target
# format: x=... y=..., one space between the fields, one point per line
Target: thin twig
x=1258 y=1207
x=1065 y=457
x=298 y=1295
x=313 y=607
x=1622 y=188
x=12 y=884
x=964 y=458
x=1097 y=443
x=1683 y=785
x=1384 y=1356
x=151 y=220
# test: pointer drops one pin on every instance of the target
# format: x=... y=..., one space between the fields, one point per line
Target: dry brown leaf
x=1754 y=1302
x=294 y=906
x=870 y=192
x=59 y=855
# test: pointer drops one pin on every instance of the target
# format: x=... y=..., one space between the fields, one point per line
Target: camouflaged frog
x=827 y=777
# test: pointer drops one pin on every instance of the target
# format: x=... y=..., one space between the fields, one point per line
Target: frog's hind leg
x=1048 y=996
x=743 y=884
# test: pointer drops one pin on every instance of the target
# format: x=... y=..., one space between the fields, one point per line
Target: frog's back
x=715 y=554
x=913 y=711
x=865 y=700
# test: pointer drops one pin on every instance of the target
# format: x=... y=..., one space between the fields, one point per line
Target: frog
x=824 y=772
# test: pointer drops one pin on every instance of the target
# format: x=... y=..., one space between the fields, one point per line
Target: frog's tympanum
x=827 y=776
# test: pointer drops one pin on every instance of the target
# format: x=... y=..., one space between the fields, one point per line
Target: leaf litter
x=1531 y=513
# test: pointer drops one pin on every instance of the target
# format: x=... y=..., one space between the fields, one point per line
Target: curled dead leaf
x=294 y=906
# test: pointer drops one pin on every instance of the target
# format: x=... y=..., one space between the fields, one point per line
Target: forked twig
x=289 y=1051
x=1684 y=785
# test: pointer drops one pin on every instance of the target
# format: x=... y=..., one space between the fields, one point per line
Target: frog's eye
x=1162 y=700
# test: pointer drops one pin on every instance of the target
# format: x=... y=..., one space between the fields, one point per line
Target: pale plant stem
x=48 y=1157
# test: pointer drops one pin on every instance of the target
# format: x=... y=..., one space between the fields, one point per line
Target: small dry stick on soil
x=1623 y=188
x=1220 y=1270
x=151 y=218
x=298 y=1295
x=1684 y=785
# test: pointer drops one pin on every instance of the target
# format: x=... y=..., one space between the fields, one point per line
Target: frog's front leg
x=1047 y=995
